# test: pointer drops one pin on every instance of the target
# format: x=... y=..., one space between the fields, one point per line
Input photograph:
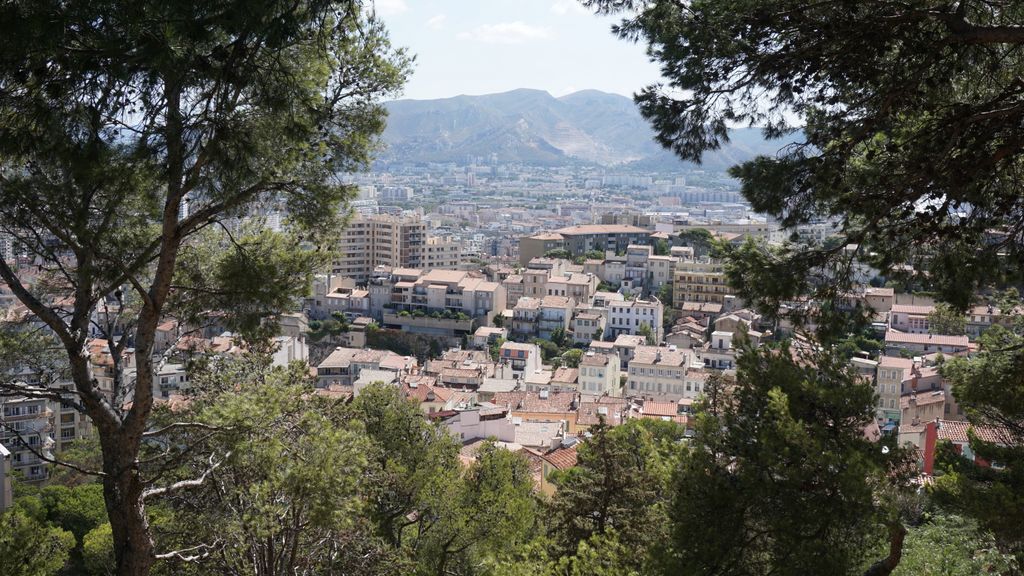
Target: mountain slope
x=533 y=127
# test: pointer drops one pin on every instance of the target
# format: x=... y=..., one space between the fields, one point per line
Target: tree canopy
x=906 y=121
x=134 y=137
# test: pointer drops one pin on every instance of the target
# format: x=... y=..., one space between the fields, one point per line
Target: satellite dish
x=885 y=449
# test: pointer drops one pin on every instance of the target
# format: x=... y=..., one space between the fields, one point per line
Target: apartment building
x=380 y=240
x=526 y=317
x=638 y=269
x=6 y=493
x=699 y=281
x=657 y=371
x=523 y=358
x=599 y=374
x=444 y=252
x=579 y=240
x=924 y=343
x=909 y=318
x=587 y=325
x=344 y=365
x=628 y=317
x=26 y=432
x=446 y=303
x=892 y=371
x=555 y=313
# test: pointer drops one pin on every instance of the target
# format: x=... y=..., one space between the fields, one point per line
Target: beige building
x=380 y=240
x=579 y=240
x=699 y=281
x=443 y=252
x=657 y=371
x=892 y=371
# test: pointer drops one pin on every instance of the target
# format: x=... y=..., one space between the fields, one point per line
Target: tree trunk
x=122 y=493
x=885 y=566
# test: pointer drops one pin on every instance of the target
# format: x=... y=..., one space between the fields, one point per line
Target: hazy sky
x=485 y=46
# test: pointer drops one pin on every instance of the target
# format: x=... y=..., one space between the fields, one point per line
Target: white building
x=628 y=317
x=599 y=374
x=6 y=497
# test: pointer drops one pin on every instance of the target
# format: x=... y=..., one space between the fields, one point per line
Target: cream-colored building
x=892 y=371
x=599 y=374
x=699 y=281
x=380 y=240
x=658 y=371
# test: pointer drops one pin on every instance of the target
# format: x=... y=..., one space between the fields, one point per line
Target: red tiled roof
x=562 y=458
x=957 y=432
x=936 y=339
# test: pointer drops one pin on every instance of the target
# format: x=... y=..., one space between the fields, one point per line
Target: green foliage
x=421 y=346
x=77 y=510
x=645 y=331
x=548 y=349
x=560 y=253
x=558 y=337
x=749 y=494
x=987 y=386
x=700 y=239
x=619 y=486
x=661 y=248
x=571 y=358
x=29 y=546
x=952 y=546
x=136 y=136
x=98 y=551
x=495 y=348
x=902 y=118
x=946 y=320
x=861 y=342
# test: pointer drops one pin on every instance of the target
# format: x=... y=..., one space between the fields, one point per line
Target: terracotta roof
x=912 y=309
x=923 y=399
x=565 y=375
x=660 y=408
x=957 y=432
x=659 y=356
x=895 y=362
x=561 y=458
x=936 y=339
x=595 y=359
x=521 y=401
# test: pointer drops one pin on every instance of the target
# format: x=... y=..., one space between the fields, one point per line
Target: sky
x=487 y=46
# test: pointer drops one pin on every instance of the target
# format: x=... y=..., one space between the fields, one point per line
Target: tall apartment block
x=394 y=242
x=380 y=240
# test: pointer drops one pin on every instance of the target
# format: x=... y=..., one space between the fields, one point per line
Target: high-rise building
x=380 y=240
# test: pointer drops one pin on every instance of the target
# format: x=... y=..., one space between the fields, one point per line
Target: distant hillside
x=533 y=127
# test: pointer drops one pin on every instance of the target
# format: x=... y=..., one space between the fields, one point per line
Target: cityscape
x=263 y=313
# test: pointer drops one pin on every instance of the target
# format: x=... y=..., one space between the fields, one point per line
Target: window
x=67 y=418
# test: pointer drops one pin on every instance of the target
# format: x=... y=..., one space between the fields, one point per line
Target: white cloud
x=436 y=22
x=390 y=7
x=565 y=6
x=506 y=33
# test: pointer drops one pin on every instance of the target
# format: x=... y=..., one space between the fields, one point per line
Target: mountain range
x=536 y=128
